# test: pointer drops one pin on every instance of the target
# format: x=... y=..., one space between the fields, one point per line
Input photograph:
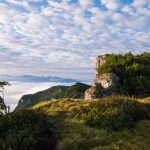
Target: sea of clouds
x=17 y=89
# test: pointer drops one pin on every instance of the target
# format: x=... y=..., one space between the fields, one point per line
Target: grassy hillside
x=56 y=92
x=133 y=71
x=76 y=91
x=73 y=133
x=65 y=106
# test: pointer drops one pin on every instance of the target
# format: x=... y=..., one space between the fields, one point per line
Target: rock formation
x=100 y=60
x=104 y=84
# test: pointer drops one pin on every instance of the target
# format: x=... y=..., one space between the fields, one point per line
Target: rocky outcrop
x=104 y=84
x=100 y=60
x=94 y=92
x=108 y=81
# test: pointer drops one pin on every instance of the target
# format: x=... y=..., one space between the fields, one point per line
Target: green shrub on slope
x=76 y=91
x=114 y=113
x=25 y=130
x=133 y=72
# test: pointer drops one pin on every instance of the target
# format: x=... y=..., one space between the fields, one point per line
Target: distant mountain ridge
x=56 y=92
x=30 y=78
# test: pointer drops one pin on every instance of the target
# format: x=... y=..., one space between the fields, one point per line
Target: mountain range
x=30 y=78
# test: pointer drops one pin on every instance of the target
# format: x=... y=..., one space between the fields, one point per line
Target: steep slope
x=76 y=91
x=118 y=74
x=133 y=72
x=56 y=92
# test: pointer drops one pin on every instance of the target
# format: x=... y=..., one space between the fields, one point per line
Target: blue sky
x=63 y=37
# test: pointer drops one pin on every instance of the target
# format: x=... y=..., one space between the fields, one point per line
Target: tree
x=3 y=83
x=3 y=107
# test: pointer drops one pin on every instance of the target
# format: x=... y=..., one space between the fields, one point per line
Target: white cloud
x=111 y=4
x=139 y=3
x=22 y=3
x=85 y=3
x=63 y=38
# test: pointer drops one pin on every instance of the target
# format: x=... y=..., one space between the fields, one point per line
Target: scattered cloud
x=62 y=38
x=111 y=4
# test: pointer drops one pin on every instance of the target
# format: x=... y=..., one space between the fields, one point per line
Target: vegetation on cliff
x=56 y=92
x=133 y=71
x=76 y=91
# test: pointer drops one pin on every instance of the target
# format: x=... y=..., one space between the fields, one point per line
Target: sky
x=63 y=37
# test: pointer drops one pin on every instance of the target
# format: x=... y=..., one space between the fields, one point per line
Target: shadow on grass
x=74 y=135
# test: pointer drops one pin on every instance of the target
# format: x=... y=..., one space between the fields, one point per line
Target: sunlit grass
x=64 y=106
x=73 y=134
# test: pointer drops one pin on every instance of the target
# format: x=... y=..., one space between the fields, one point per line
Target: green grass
x=73 y=134
x=64 y=106
x=82 y=137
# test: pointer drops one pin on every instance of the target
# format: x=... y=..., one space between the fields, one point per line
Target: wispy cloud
x=63 y=38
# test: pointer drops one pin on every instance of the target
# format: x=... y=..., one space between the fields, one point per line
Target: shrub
x=114 y=113
x=133 y=72
x=26 y=130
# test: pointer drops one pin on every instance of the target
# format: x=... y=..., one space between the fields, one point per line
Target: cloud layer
x=63 y=37
x=17 y=89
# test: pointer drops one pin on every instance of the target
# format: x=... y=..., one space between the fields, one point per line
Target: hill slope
x=76 y=91
x=73 y=134
x=56 y=92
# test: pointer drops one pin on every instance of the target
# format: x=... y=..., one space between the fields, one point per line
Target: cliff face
x=104 y=84
x=100 y=60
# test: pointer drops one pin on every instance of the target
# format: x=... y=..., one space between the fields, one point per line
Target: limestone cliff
x=104 y=84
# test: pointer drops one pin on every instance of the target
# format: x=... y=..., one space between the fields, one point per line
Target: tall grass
x=82 y=137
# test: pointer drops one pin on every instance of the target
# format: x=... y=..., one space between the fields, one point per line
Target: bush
x=133 y=72
x=114 y=113
x=26 y=130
